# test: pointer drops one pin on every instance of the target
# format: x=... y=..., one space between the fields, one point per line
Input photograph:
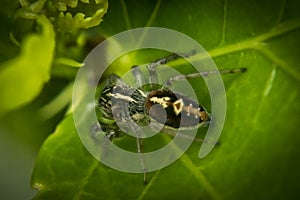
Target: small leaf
x=22 y=78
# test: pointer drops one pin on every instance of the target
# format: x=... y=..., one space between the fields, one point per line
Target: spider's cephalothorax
x=119 y=102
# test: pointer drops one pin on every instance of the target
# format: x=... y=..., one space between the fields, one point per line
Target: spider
x=119 y=103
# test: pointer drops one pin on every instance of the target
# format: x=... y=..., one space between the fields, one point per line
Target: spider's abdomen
x=179 y=110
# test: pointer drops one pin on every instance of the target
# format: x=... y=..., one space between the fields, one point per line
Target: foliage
x=64 y=13
x=257 y=157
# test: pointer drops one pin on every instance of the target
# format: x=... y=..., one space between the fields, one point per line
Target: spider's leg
x=114 y=79
x=97 y=131
x=142 y=160
x=109 y=136
x=152 y=67
x=140 y=149
x=136 y=72
x=173 y=79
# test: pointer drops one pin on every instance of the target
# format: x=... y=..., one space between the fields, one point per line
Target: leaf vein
x=224 y=23
x=126 y=15
x=281 y=12
x=279 y=62
x=153 y=13
x=145 y=191
x=243 y=144
x=199 y=176
x=250 y=43
x=270 y=82
x=255 y=41
x=84 y=181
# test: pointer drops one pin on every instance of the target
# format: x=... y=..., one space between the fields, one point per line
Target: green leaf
x=22 y=78
x=258 y=156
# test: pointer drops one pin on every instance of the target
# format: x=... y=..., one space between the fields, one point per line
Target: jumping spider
x=119 y=102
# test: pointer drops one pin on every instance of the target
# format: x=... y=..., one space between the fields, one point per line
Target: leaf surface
x=258 y=155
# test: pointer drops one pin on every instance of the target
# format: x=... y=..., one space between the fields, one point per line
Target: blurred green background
x=39 y=56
